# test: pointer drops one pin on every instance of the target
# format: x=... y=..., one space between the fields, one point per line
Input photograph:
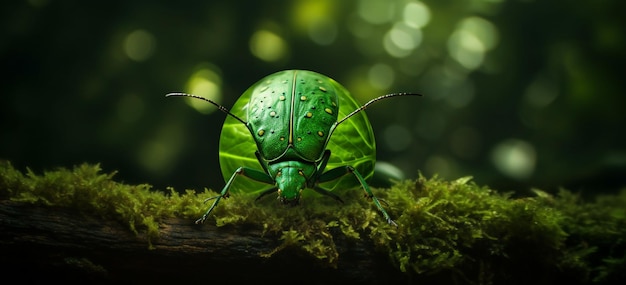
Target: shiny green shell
x=313 y=102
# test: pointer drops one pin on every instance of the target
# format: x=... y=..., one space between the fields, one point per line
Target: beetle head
x=290 y=182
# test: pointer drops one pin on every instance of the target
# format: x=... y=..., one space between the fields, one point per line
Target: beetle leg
x=324 y=161
x=338 y=172
x=262 y=161
x=383 y=201
x=245 y=171
x=327 y=193
x=268 y=191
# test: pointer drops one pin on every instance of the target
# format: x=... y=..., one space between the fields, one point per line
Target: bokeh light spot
x=307 y=12
x=466 y=49
x=268 y=46
x=416 y=14
x=514 y=158
x=157 y=155
x=470 y=41
x=139 y=45
x=439 y=165
x=205 y=82
x=381 y=76
x=316 y=18
x=484 y=31
x=401 y=40
x=376 y=11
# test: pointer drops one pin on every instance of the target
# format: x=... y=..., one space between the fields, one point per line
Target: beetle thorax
x=291 y=179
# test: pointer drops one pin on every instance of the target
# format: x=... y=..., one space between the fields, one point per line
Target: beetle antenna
x=375 y=100
x=220 y=107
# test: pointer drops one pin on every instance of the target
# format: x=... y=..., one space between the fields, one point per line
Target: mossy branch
x=82 y=221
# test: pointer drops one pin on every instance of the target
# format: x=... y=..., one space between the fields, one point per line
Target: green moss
x=86 y=189
x=596 y=243
x=455 y=228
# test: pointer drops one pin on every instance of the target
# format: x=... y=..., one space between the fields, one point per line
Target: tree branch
x=43 y=244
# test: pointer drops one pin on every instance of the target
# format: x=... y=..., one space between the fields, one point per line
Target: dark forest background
x=518 y=94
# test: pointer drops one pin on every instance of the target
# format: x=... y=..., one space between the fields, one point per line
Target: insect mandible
x=291 y=116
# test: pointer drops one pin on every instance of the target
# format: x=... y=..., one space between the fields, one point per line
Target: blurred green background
x=518 y=94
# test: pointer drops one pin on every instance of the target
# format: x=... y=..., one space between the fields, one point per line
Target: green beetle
x=291 y=117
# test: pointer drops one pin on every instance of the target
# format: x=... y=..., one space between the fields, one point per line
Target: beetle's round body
x=301 y=106
x=283 y=135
